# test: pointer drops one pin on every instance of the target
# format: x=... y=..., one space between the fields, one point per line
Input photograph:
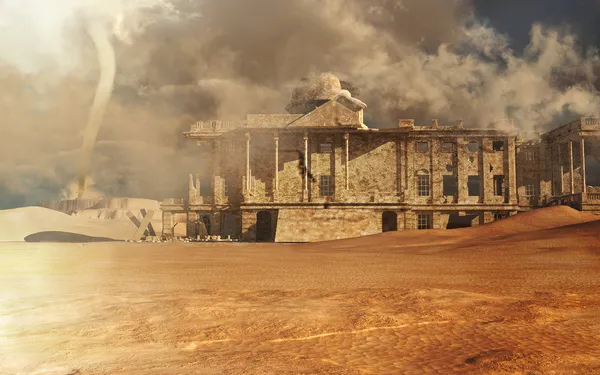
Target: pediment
x=338 y=112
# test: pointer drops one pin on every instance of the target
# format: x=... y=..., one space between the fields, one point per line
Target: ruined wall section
x=233 y=161
x=372 y=167
x=443 y=164
x=492 y=164
x=469 y=164
x=310 y=224
x=528 y=174
x=290 y=176
x=262 y=166
x=417 y=163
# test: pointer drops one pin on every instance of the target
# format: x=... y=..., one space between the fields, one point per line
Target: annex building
x=319 y=173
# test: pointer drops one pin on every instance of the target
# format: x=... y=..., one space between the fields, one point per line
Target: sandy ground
x=520 y=296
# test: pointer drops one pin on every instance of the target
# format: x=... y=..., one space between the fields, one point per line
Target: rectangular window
x=499 y=185
x=206 y=188
x=447 y=146
x=530 y=155
x=473 y=186
x=424 y=221
x=325 y=186
x=325 y=147
x=529 y=189
x=423 y=185
x=498 y=145
x=422 y=146
x=449 y=187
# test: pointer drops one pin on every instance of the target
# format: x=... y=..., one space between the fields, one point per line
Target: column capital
x=247 y=134
x=346 y=136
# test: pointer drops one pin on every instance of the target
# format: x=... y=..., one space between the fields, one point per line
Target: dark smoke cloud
x=222 y=59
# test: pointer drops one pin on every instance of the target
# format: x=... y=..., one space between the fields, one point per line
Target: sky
x=181 y=61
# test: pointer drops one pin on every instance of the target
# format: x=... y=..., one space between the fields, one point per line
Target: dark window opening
x=450 y=186
x=498 y=185
x=500 y=216
x=456 y=221
x=389 y=221
x=473 y=186
x=206 y=186
x=498 y=145
x=264 y=227
x=422 y=146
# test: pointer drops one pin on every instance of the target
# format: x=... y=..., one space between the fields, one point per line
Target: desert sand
x=107 y=220
x=519 y=296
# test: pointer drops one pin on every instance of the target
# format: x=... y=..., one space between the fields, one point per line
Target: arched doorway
x=264 y=226
x=389 y=221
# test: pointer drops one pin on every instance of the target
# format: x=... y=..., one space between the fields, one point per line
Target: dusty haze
x=191 y=60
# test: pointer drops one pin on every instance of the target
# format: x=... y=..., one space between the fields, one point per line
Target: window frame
x=327 y=149
x=473 y=177
x=427 y=223
x=421 y=143
x=502 y=179
x=452 y=147
x=530 y=188
x=325 y=188
x=423 y=187
x=496 y=142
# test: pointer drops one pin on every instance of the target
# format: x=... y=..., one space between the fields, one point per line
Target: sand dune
x=16 y=224
x=527 y=222
x=106 y=219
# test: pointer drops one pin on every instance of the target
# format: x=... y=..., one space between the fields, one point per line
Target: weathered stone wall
x=372 y=164
x=290 y=176
x=528 y=171
x=492 y=164
x=317 y=224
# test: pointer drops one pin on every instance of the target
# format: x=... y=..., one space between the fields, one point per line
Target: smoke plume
x=190 y=60
x=106 y=58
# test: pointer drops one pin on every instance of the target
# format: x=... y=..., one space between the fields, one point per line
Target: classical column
x=571 y=167
x=582 y=152
x=276 y=138
x=248 y=185
x=561 y=172
x=305 y=176
x=346 y=159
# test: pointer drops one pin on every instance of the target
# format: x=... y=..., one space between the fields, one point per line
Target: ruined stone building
x=318 y=173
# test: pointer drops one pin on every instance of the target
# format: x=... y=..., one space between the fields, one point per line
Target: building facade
x=318 y=173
